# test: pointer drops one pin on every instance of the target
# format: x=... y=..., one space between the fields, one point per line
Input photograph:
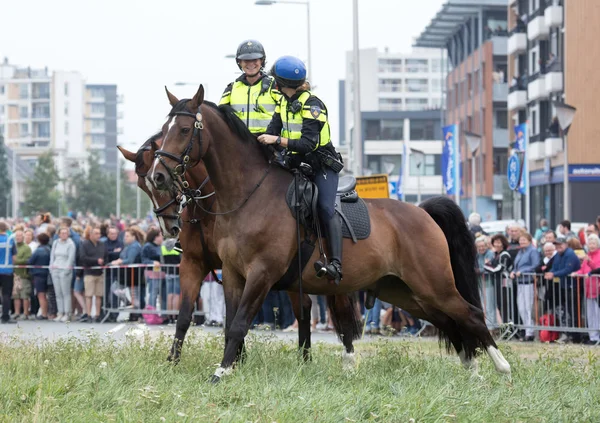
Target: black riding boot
x=333 y=232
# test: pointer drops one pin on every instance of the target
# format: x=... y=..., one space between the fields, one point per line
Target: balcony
x=500 y=137
x=537 y=28
x=536 y=88
x=517 y=98
x=536 y=151
x=499 y=42
x=553 y=79
x=517 y=42
x=552 y=145
x=553 y=16
x=500 y=92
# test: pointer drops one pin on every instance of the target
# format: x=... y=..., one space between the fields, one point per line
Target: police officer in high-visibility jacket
x=252 y=96
x=300 y=124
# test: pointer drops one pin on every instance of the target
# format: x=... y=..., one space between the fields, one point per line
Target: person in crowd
x=565 y=263
x=475 y=225
x=132 y=254
x=591 y=262
x=8 y=250
x=499 y=270
x=62 y=260
x=213 y=301
x=549 y=291
x=540 y=231
x=172 y=259
x=22 y=282
x=152 y=254
x=488 y=292
x=114 y=246
x=92 y=257
x=39 y=275
x=526 y=261
x=565 y=230
x=30 y=239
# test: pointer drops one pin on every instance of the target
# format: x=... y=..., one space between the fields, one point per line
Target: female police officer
x=300 y=125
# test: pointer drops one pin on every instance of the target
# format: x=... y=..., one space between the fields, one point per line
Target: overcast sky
x=144 y=45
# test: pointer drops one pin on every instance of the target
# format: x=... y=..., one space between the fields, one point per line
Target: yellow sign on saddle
x=374 y=186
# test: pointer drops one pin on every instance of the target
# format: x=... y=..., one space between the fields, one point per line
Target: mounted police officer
x=300 y=124
x=253 y=95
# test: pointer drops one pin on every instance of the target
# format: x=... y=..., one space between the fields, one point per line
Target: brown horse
x=195 y=229
x=426 y=268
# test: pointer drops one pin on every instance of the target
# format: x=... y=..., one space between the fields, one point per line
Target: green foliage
x=42 y=194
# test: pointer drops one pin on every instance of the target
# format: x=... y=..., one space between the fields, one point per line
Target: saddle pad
x=358 y=215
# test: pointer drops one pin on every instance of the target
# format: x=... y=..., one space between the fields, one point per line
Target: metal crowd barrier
x=130 y=288
x=530 y=302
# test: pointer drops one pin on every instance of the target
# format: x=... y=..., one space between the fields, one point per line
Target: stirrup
x=334 y=271
x=320 y=268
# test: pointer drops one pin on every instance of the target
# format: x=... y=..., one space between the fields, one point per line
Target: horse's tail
x=463 y=256
x=345 y=320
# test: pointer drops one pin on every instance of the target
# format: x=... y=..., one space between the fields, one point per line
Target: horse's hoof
x=214 y=379
x=174 y=360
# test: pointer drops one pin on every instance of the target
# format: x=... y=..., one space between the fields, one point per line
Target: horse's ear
x=172 y=99
x=198 y=98
x=129 y=156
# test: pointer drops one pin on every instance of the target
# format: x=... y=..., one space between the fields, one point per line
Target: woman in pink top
x=592 y=286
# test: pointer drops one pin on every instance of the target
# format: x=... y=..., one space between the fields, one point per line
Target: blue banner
x=451 y=160
x=521 y=146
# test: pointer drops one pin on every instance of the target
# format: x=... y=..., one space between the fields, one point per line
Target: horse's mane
x=139 y=156
x=233 y=122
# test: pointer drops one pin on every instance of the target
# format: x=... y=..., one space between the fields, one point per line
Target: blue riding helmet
x=289 y=71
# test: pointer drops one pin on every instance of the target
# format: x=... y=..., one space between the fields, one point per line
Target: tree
x=42 y=195
x=94 y=190
x=5 y=181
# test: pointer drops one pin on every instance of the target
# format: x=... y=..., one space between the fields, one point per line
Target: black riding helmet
x=250 y=50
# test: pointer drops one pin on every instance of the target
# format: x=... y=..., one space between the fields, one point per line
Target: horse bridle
x=177 y=174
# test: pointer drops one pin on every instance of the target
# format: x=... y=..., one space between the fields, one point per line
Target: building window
x=41 y=90
x=41 y=111
x=422 y=130
x=24 y=129
x=67 y=109
x=390 y=104
x=98 y=124
x=431 y=165
x=416 y=103
x=97 y=93
x=23 y=111
x=500 y=161
x=23 y=91
x=98 y=140
x=501 y=119
x=390 y=65
x=390 y=85
x=41 y=129
x=66 y=88
x=385 y=130
x=417 y=65
x=414 y=85
x=66 y=128
x=436 y=65
x=436 y=85
x=1 y=89
x=388 y=164
x=98 y=108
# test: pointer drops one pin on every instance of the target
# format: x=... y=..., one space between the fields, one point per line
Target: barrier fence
x=532 y=303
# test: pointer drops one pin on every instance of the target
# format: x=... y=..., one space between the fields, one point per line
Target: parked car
x=493 y=227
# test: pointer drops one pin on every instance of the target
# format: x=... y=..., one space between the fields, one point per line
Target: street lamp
x=565 y=114
x=420 y=160
x=307 y=4
x=473 y=141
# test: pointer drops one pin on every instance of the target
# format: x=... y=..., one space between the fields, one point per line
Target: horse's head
x=164 y=202
x=183 y=143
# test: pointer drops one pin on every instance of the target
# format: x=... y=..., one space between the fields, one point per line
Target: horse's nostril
x=175 y=230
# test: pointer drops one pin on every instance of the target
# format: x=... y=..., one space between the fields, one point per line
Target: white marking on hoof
x=348 y=361
x=500 y=362
x=220 y=372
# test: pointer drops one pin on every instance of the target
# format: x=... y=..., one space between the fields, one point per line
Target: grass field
x=97 y=380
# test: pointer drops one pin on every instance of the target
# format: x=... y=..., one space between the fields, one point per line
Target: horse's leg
x=233 y=294
x=346 y=323
x=440 y=293
x=258 y=283
x=303 y=324
x=189 y=273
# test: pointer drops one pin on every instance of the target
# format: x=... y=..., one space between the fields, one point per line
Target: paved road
x=35 y=330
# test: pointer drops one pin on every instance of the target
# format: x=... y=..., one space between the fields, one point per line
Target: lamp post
x=307 y=4
x=565 y=114
x=420 y=160
x=473 y=141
